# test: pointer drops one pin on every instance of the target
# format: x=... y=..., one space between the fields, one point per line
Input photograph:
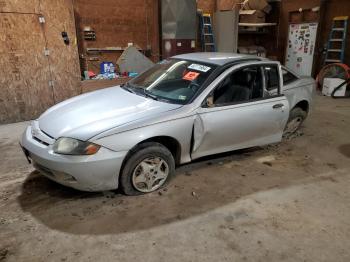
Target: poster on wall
x=301 y=47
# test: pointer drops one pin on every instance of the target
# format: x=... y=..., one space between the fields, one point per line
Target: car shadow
x=197 y=188
x=345 y=150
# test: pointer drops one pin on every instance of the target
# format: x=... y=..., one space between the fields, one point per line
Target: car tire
x=295 y=120
x=133 y=170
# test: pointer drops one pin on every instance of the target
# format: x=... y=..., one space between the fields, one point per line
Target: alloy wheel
x=150 y=174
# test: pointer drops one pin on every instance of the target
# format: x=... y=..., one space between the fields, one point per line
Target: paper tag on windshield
x=201 y=68
x=190 y=76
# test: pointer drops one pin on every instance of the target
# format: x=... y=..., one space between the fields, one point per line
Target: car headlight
x=71 y=146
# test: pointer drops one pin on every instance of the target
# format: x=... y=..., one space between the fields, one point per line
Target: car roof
x=218 y=58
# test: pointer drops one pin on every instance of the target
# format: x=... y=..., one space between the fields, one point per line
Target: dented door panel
x=226 y=128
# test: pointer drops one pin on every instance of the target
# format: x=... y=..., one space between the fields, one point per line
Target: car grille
x=40 y=141
x=40 y=136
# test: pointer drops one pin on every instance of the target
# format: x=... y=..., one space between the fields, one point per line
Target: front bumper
x=96 y=172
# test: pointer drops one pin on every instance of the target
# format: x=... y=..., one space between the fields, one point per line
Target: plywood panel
x=20 y=6
x=24 y=74
x=25 y=69
x=64 y=59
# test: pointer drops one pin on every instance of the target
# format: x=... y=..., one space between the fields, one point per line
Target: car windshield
x=172 y=80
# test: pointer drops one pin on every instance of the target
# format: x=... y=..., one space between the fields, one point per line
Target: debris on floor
x=266 y=159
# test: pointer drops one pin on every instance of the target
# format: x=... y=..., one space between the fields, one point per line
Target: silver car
x=186 y=107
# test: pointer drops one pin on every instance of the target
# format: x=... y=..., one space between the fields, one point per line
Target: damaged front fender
x=198 y=132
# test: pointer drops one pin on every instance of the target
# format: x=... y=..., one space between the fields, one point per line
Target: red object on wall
x=173 y=47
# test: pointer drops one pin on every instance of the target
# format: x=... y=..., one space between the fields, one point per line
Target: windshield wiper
x=148 y=94
x=136 y=90
x=157 y=98
x=127 y=87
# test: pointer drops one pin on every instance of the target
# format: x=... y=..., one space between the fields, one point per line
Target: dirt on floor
x=285 y=202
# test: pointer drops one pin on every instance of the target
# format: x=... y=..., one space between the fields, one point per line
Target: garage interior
x=280 y=202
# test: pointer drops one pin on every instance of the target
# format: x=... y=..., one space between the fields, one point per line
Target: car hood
x=87 y=115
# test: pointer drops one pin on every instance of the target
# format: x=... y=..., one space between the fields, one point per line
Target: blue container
x=106 y=68
x=133 y=74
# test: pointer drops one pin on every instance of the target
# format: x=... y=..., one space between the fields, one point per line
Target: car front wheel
x=296 y=118
x=149 y=167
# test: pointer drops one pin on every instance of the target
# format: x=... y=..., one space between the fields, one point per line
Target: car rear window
x=288 y=77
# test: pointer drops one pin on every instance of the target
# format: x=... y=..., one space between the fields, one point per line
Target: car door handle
x=276 y=106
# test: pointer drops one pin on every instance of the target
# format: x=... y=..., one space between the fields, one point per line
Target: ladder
x=207 y=36
x=337 y=40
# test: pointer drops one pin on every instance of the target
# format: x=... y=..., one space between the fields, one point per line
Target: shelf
x=89 y=35
x=107 y=49
x=254 y=28
x=247 y=32
x=104 y=49
x=256 y=24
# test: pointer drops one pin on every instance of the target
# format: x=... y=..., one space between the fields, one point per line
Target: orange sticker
x=190 y=76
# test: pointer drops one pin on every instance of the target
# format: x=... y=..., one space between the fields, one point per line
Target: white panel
x=301 y=47
x=226 y=30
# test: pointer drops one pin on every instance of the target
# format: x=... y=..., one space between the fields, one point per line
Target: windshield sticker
x=182 y=97
x=201 y=68
x=190 y=76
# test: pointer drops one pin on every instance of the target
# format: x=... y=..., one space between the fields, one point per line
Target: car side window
x=240 y=86
x=288 y=77
x=271 y=77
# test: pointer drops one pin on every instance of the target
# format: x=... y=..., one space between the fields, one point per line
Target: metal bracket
x=41 y=19
x=46 y=52
x=51 y=83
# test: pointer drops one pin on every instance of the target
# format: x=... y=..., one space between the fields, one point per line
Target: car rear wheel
x=296 y=118
x=149 y=168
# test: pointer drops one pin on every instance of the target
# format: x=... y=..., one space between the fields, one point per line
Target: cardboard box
x=251 y=16
x=224 y=5
x=252 y=50
x=254 y=4
x=261 y=5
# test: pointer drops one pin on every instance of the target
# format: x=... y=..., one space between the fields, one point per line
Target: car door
x=246 y=117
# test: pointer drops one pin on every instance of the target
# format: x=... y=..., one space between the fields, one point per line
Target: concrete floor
x=286 y=202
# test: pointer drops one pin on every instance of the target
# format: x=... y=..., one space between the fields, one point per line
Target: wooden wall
x=64 y=59
x=116 y=23
x=26 y=72
x=208 y=6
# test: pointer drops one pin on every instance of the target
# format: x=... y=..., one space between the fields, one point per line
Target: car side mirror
x=209 y=102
